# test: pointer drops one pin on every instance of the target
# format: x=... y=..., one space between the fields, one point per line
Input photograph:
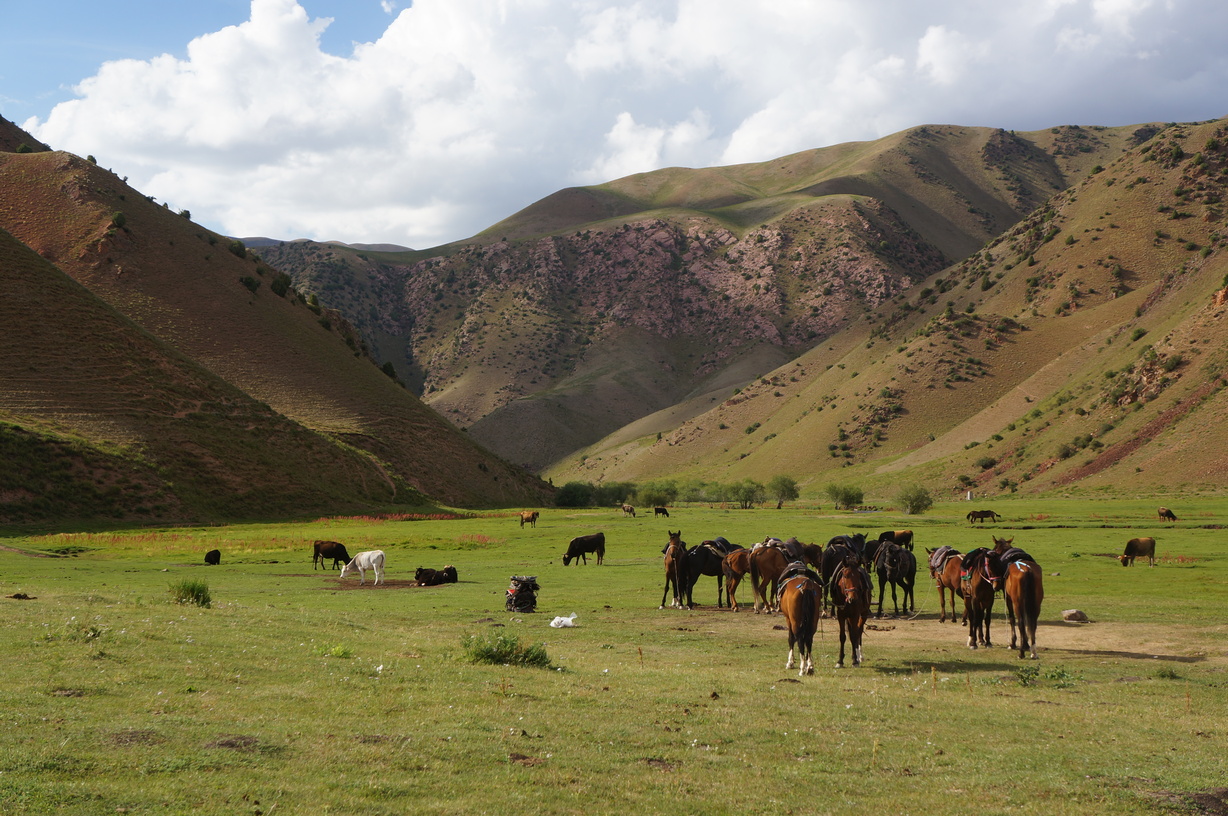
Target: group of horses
x=804 y=582
x=977 y=576
x=801 y=581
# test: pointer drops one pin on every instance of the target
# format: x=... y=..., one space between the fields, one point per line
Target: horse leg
x=840 y=660
x=881 y=582
x=858 y=628
x=894 y=603
x=974 y=625
x=664 y=594
x=789 y=663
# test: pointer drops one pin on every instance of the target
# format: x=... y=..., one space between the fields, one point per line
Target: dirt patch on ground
x=24 y=552
x=1212 y=802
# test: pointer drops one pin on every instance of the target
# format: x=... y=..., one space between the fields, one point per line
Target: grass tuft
x=504 y=650
x=191 y=591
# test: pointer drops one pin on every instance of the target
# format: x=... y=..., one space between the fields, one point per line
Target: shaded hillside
x=1083 y=349
x=98 y=419
x=13 y=138
x=597 y=307
x=222 y=307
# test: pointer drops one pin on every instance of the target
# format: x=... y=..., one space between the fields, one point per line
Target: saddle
x=797 y=569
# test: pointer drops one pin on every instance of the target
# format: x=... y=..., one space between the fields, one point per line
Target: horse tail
x=754 y=582
x=809 y=617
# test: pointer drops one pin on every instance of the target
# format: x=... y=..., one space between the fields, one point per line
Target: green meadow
x=294 y=692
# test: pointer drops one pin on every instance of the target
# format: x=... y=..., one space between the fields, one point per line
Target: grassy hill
x=1081 y=350
x=217 y=305
x=595 y=308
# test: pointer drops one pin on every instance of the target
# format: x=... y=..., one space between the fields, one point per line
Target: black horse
x=834 y=554
x=708 y=558
x=898 y=567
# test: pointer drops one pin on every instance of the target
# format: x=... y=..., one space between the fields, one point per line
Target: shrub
x=915 y=499
x=844 y=496
x=574 y=494
x=191 y=591
x=504 y=650
x=251 y=283
x=986 y=462
x=237 y=248
x=118 y=220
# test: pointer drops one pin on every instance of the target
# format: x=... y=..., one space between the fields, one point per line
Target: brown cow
x=628 y=510
x=1166 y=515
x=1139 y=548
x=529 y=517
x=329 y=549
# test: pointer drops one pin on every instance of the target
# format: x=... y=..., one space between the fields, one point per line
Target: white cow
x=369 y=560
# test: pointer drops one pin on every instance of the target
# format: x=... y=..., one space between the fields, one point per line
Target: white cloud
x=464 y=111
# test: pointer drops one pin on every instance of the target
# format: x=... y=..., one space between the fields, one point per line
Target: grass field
x=294 y=693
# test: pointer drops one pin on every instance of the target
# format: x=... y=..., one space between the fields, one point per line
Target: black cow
x=433 y=577
x=329 y=549
x=213 y=557
x=580 y=545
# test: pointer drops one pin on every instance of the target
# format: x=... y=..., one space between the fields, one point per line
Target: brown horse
x=1023 y=590
x=676 y=572
x=850 y=593
x=801 y=601
x=735 y=565
x=768 y=563
x=981 y=515
x=980 y=577
x=944 y=569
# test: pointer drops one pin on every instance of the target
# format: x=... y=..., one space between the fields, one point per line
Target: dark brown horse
x=898 y=567
x=944 y=569
x=801 y=601
x=980 y=578
x=676 y=572
x=768 y=563
x=1023 y=589
x=981 y=515
x=850 y=593
x=837 y=550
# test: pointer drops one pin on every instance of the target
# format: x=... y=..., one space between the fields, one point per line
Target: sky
x=419 y=123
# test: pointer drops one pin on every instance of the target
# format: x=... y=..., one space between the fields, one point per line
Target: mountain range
x=970 y=309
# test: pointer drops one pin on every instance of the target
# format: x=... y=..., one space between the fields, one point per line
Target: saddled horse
x=706 y=558
x=980 y=578
x=944 y=569
x=801 y=601
x=981 y=515
x=898 y=567
x=850 y=592
x=768 y=563
x=676 y=572
x=834 y=554
x=1023 y=590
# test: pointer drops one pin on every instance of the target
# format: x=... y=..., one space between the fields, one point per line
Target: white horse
x=369 y=560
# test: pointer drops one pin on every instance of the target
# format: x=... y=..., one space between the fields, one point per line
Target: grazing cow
x=628 y=510
x=1166 y=514
x=902 y=538
x=369 y=560
x=329 y=549
x=660 y=511
x=1139 y=548
x=529 y=517
x=213 y=557
x=581 y=545
x=433 y=577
